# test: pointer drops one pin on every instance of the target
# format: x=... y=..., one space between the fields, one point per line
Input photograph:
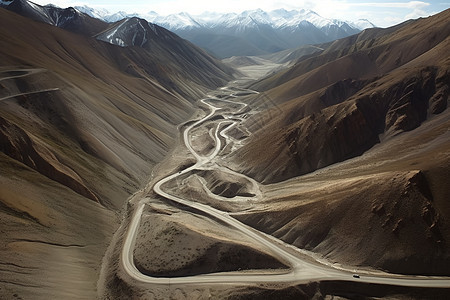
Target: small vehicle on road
x=356 y=276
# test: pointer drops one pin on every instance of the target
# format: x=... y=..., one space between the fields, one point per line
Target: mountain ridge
x=252 y=32
x=316 y=84
x=352 y=143
x=277 y=18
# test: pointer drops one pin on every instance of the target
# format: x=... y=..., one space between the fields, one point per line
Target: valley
x=197 y=211
x=136 y=165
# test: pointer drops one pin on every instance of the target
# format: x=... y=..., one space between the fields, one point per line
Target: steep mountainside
x=372 y=74
x=184 y=58
x=82 y=123
x=377 y=102
x=177 y=55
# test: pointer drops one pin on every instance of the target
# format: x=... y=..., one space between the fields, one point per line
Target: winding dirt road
x=301 y=270
x=17 y=73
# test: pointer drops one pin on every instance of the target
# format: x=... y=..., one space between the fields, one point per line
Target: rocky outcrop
x=408 y=101
x=349 y=125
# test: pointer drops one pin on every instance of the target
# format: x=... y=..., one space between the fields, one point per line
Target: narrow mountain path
x=8 y=74
x=29 y=93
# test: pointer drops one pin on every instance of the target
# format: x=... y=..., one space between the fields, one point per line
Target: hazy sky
x=381 y=13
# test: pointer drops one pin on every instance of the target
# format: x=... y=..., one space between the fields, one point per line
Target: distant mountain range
x=253 y=32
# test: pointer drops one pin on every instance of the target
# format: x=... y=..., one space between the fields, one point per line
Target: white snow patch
x=118 y=41
x=115 y=31
x=144 y=39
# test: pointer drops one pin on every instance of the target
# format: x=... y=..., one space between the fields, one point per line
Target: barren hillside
x=366 y=124
x=82 y=123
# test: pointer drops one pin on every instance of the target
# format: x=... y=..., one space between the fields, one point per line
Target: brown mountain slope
x=387 y=209
x=82 y=123
x=341 y=116
x=387 y=123
x=371 y=53
x=177 y=55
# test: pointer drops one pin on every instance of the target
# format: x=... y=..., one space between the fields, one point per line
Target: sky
x=381 y=13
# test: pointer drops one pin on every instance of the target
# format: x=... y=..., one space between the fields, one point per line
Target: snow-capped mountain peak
x=175 y=21
x=362 y=24
x=251 y=32
x=95 y=13
x=246 y=19
x=279 y=18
